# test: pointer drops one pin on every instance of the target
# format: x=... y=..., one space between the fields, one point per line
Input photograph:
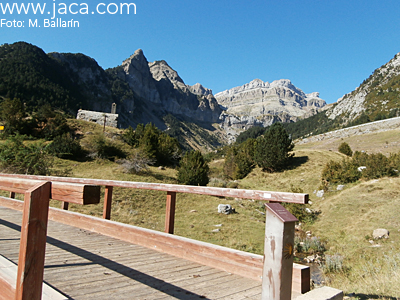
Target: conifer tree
x=193 y=169
x=273 y=149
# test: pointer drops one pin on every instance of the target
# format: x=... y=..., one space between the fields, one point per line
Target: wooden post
x=64 y=205
x=12 y=195
x=107 y=202
x=278 y=253
x=170 y=212
x=33 y=242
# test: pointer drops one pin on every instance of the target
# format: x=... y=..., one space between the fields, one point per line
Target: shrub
x=15 y=157
x=377 y=166
x=345 y=149
x=136 y=162
x=333 y=264
x=100 y=147
x=193 y=169
x=239 y=160
x=344 y=172
x=65 y=146
x=155 y=144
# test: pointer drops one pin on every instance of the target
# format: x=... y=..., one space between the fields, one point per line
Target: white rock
x=380 y=233
x=360 y=169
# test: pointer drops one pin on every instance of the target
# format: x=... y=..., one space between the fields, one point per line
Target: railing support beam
x=33 y=242
x=64 y=205
x=107 y=202
x=170 y=212
x=278 y=253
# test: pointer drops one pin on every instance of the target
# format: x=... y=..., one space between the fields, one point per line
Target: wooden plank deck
x=85 y=265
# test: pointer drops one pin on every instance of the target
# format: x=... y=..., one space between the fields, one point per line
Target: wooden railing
x=29 y=276
x=233 y=261
x=171 y=190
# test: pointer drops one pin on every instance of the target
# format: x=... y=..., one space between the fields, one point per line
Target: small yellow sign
x=1 y=127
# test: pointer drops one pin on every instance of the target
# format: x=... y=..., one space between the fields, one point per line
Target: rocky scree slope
x=377 y=97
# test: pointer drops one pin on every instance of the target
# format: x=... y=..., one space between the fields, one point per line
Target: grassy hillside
x=345 y=223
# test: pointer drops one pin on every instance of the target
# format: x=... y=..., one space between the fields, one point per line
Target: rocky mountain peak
x=161 y=70
x=260 y=103
x=138 y=76
x=198 y=89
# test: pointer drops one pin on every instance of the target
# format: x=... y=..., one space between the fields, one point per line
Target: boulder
x=225 y=209
x=340 y=187
x=380 y=233
x=320 y=193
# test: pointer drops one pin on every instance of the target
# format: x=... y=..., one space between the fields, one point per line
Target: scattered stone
x=161 y=168
x=313 y=259
x=360 y=169
x=225 y=209
x=340 y=187
x=218 y=225
x=380 y=233
x=309 y=202
x=193 y=211
x=216 y=230
x=308 y=210
x=320 y=193
x=376 y=246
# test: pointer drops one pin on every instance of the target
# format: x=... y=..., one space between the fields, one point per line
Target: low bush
x=374 y=165
x=100 y=147
x=32 y=159
x=345 y=149
x=135 y=163
x=65 y=146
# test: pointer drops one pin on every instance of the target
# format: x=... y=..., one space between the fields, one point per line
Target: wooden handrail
x=69 y=192
x=171 y=189
x=203 y=190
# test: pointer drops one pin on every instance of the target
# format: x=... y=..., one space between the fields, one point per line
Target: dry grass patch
x=347 y=221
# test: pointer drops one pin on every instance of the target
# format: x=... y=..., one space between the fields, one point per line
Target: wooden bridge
x=92 y=258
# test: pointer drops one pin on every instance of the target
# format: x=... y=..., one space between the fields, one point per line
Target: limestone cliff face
x=162 y=91
x=263 y=103
x=137 y=74
x=179 y=98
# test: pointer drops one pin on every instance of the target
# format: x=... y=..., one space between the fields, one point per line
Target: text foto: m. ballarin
x=58 y=22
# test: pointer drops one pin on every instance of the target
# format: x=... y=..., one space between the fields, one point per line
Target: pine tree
x=273 y=149
x=193 y=169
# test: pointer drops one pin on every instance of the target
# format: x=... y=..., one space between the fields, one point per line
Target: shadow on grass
x=368 y=296
x=297 y=161
x=161 y=177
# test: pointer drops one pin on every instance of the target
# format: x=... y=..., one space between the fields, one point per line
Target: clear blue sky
x=326 y=46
